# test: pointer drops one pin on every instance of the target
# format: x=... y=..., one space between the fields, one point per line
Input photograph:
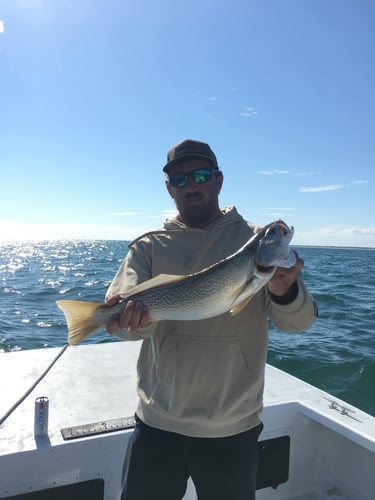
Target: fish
x=226 y=286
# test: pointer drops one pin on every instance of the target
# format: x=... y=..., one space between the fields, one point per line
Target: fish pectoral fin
x=80 y=317
x=159 y=280
x=238 y=307
x=244 y=296
x=248 y=291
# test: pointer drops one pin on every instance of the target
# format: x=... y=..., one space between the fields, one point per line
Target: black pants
x=159 y=463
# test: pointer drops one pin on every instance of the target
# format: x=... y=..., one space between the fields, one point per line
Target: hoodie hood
x=230 y=215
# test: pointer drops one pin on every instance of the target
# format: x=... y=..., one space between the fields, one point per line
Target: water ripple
x=336 y=354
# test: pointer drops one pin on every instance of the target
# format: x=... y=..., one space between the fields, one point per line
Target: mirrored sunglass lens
x=178 y=180
x=201 y=176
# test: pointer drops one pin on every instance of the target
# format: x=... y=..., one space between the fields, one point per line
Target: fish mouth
x=284 y=228
x=273 y=250
x=264 y=269
x=281 y=226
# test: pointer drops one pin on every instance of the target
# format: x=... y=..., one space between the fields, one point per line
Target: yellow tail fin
x=80 y=317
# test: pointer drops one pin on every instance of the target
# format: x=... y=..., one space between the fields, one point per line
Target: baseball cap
x=189 y=149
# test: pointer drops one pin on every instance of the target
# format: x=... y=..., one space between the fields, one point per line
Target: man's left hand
x=282 y=281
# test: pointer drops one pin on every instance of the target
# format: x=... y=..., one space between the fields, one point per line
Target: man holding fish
x=200 y=382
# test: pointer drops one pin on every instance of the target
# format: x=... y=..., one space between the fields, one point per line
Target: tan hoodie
x=204 y=378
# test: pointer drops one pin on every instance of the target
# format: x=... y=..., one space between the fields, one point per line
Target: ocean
x=337 y=354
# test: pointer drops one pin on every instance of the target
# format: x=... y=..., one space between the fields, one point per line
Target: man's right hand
x=135 y=315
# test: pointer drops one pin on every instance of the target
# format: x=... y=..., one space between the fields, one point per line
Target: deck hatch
x=273 y=467
x=93 y=489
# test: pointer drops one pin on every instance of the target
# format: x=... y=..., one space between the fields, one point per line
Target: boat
x=313 y=445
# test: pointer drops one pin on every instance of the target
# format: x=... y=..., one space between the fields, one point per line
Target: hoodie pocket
x=205 y=377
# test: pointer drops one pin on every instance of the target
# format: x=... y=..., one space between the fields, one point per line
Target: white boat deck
x=331 y=441
x=87 y=384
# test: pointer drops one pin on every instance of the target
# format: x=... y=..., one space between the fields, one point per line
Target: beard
x=195 y=211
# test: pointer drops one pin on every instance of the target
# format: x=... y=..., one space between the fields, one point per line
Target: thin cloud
x=334 y=235
x=123 y=214
x=16 y=231
x=280 y=208
x=361 y=182
x=39 y=214
x=319 y=189
x=166 y=214
x=277 y=214
x=275 y=171
x=361 y=231
x=248 y=111
x=2 y=29
x=302 y=174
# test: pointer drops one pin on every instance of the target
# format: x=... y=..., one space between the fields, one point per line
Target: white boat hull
x=313 y=445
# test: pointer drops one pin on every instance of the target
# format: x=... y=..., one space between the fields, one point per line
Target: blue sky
x=93 y=94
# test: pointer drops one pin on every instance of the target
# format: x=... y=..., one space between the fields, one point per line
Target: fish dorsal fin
x=159 y=280
x=238 y=308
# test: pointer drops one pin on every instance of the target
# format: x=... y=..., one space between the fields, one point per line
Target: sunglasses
x=199 y=176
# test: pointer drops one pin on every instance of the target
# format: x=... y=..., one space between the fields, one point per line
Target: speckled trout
x=226 y=286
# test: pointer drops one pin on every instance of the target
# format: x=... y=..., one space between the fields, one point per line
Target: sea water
x=337 y=354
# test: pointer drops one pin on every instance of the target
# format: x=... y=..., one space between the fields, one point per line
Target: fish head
x=273 y=247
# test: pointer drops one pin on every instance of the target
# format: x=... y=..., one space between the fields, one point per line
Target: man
x=200 y=383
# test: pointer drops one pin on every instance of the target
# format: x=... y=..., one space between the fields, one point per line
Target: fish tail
x=81 y=319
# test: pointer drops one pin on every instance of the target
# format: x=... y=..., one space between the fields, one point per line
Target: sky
x=94 y=93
